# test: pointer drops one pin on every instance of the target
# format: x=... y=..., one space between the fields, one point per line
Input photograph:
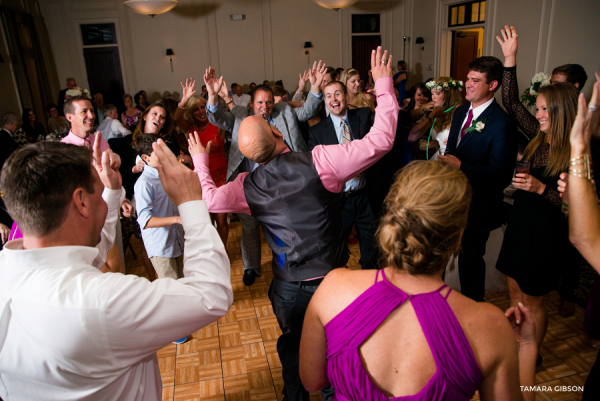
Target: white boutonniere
x=476 y=125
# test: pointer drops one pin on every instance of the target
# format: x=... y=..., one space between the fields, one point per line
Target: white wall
x=268 y=44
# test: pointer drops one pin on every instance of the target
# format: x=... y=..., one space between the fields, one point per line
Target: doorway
x=103 y=67
x=467 y=45
x=362 y=46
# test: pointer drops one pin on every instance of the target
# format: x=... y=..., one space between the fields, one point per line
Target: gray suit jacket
x=285 y=117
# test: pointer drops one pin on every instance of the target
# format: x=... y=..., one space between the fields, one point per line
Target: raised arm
x=107 y=165
x=336 y=164
x=228 y=198
x=141 y=316
x=188 y=92
x=584 y=215
x=526 y=122
x=214 y=110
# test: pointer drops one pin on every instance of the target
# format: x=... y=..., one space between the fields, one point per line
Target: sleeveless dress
x=132 y=121
x=217 y=163
x=457 y=375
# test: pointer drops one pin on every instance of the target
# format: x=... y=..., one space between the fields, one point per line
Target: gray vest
x=301 y=219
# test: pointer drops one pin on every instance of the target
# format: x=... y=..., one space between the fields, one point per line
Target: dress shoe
x=566 y=309
x=249 y=277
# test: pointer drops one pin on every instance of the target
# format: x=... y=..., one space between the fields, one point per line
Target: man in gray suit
x=282 y=116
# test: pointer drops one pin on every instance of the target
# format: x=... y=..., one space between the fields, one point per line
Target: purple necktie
x=467 y=124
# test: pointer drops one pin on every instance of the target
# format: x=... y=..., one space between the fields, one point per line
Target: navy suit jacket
x=379 y=176
x=487 y=158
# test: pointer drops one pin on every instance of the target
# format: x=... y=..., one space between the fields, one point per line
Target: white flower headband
x=445 y=85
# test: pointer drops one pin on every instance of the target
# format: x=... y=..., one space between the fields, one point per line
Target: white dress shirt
x=241 y=100
x=111 y=128
x=69 y=332
x=476 y=113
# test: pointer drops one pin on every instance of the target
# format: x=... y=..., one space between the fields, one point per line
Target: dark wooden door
x=361 y=53
x=103 y=67
x=464 y=46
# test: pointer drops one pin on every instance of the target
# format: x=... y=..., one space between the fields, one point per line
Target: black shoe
x=249 y=277
x=539 y=361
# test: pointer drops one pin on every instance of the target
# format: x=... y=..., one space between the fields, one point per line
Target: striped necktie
x=347 y=138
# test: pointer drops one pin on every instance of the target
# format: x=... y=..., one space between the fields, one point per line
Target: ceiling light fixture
x=335 y=4
x=150 y=7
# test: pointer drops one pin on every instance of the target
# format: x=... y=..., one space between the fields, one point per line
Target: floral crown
x=450 y=84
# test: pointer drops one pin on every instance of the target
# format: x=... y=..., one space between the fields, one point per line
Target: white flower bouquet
x=78 y=92
x=530 y=94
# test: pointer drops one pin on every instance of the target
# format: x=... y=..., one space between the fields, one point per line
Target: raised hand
x=180 y=183
x=223 y=92
x=315 y=75
x=509 y=45
x=188 y=91
x=302 y=81
x=587 y=121
x=106 y=164
x=195 y=145
x=213 y=85
x=381 y=65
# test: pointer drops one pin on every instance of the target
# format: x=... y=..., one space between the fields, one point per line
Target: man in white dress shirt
x=239 y=98
x=111 y=126
x=69 y=332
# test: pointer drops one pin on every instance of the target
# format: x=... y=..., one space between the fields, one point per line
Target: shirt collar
x=150 y=171
x=337 y=121
x=76 y=140
x=481 y=108
x=47 y=258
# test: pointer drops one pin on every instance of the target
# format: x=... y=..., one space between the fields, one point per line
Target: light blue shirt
x=151 y=200
x=351 y=184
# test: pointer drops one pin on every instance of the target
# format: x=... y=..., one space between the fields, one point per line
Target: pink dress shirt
x=75 y=140
x=335 y=164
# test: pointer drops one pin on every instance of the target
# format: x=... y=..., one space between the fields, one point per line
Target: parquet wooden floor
x=235 y=358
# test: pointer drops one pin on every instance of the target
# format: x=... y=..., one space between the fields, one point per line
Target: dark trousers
x=289 y=304
x=357 y=211
x=471 y=266
x=591 y=389
x=570 y=281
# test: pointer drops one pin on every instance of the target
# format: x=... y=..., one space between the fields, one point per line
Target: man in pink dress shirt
x=296 y=197
x=80 y=113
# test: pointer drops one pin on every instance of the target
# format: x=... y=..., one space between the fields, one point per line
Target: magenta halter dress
x=458 y=375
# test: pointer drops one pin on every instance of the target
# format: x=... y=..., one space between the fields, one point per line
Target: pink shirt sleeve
x=336 y=164
x=228 y=198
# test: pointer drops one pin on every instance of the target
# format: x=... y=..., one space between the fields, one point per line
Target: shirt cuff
x=200 y=159
x=113 y=197
x=510 y=68
x=319 y=96
x=212 y=108
x=384 y=85
x=193 y=212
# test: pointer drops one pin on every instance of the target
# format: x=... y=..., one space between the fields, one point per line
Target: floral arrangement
x=530 y=94
x=78 y=92
x=477 y=125
x=445 y=85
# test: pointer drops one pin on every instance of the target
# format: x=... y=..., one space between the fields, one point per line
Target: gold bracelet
x=582 y=159
x=229 y=102
x=582 y=173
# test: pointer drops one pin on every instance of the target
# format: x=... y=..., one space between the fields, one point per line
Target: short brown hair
x=340 y=83
x=38 y=181
x=492 y=67
x=426 y=211
x=69 y=106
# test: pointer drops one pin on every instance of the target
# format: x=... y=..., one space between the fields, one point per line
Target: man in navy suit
x=483 y=145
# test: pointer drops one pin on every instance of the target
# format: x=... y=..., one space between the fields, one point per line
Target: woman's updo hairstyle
x=425 y=213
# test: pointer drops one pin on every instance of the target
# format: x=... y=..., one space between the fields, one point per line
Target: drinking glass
x=522 y=167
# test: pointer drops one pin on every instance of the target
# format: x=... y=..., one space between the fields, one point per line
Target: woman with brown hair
x=190 y=117
x=401 y=331
x=356 y=97
x=431 y=134
x=536 y=244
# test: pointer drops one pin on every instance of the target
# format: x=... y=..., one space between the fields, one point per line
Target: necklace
x=203 y=128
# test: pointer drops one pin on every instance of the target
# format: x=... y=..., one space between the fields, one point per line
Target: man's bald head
x=257 y=141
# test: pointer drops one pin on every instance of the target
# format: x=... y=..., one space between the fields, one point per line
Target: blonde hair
x=361 y=99
x=561 y=101
x=193 y=103
x=452 y=97
x=425 y=214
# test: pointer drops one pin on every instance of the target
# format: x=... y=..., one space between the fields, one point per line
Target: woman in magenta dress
x=400 y=332
x=190 y=116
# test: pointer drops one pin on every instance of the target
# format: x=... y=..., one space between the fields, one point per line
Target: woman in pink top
x=399 y=332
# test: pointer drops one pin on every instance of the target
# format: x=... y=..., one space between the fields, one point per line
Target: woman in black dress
x=536 y=244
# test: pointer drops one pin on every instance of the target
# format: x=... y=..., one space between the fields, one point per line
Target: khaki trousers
x=168 y=267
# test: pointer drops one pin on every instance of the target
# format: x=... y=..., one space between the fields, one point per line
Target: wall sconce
x=170 y=54
x=307 y=46
x=420 y=41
